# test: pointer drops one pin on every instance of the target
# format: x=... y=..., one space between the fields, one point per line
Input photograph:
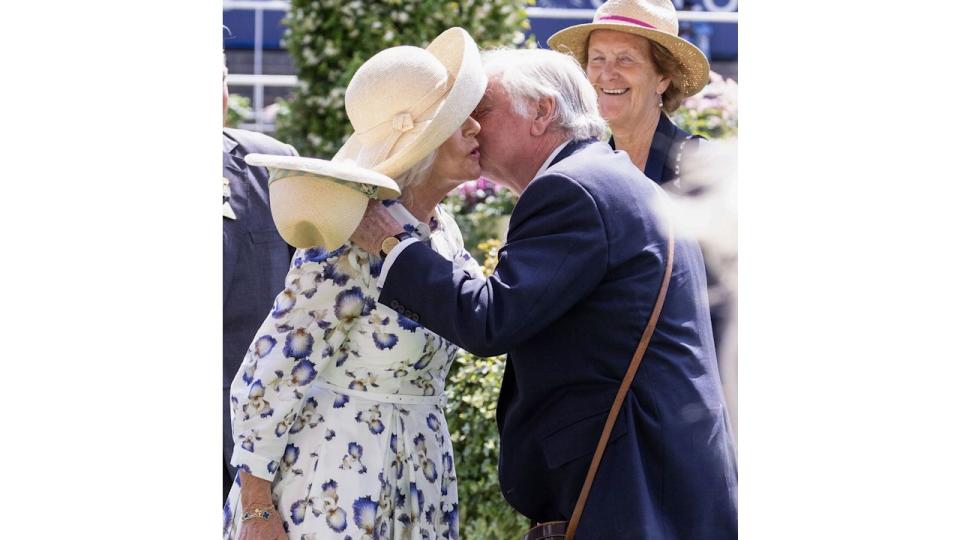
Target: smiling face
x=458 y=158
x=621 y=68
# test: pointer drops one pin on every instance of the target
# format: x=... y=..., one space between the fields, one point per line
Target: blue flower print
x=365 y=514
x=242 y=467
x=427 y=464
x=452 y=520
x=384 y=341
x=434 y=223
x=256 y=403
x=263 y=346
x=433 y=422
x=429 y=513
x=407 y=324
x=336 y=516
x=318 y=254
x=299 y=344
x=351 y=303
x=290 y=455
x=426 y=385
x=372 y=418
x=305 y=418
x=249 y=369
x=352 y=457
x=303 y=373
x=448 y=478
x=417 y=499
x=378 y=482
x=410 y=228
x=376 y=266
x=424 y=360
x=284 y=303
x=338 y=271
x=298 y=511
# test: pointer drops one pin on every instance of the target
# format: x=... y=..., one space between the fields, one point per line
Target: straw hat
x=655 y=20
x=403 y=103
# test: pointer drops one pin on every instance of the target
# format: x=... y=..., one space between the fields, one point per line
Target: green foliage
x=472 y=391
x=238 y=110
x=473 y=387
x=482 y=210
x=712 y=112
x=330 y=39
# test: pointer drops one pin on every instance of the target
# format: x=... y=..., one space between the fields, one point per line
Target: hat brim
x=371 y=183
x=694 y=66
x=458 y=53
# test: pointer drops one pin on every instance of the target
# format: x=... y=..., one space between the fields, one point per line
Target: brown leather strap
x=622 y=393
x=552 y=530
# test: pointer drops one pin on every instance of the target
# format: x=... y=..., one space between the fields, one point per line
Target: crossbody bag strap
x=622 y=393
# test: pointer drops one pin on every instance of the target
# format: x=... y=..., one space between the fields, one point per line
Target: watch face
x=389 y=243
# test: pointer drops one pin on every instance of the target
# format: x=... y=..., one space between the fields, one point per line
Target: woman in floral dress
x=338 y=406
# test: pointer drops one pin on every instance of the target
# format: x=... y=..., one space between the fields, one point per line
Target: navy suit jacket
x=255 y=257
x=575 y=284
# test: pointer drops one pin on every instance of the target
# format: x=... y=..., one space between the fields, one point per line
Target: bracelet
x=256 y=513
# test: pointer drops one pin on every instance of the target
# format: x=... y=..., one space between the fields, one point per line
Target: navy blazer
x=255 y=257
x=575 y=284
x=670 y=148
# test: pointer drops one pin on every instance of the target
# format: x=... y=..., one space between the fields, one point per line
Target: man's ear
x=546 y=108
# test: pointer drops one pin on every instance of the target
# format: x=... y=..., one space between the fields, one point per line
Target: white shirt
x=395 y=252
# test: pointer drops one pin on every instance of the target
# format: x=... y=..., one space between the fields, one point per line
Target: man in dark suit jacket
x=573 y=289
x=255 y=258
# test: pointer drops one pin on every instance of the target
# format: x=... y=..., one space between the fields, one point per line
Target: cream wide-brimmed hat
x=655 y=20
x=403 y=103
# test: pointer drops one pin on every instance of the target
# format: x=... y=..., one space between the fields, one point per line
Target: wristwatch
x=391 y=242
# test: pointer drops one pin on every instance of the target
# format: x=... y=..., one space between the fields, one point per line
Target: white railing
x=258 y=80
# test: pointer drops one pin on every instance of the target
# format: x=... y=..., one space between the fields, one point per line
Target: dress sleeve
x=306 y=330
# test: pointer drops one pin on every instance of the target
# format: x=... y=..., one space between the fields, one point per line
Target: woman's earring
x=660 y=97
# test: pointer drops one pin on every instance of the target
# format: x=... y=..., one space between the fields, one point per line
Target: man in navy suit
x=255 y=257
x=573 y=289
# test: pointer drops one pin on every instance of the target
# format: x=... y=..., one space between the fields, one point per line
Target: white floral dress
x=339 y=402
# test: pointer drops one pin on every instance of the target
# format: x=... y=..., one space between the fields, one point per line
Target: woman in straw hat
x=641 y=70
x=337 y=408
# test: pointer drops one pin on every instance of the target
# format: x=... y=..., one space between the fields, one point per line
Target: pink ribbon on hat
x=626 y=19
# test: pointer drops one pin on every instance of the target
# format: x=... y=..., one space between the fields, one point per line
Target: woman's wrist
x=254 y=491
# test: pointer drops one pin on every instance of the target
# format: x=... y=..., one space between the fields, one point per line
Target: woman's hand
x=376 y=225
x=255 y=493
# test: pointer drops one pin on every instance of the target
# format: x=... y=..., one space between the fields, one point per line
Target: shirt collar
x=409 y=222
x=549 y=160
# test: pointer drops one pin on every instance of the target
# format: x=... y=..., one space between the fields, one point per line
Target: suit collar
x=229 y=144
x=571 y=148
x=231 y=156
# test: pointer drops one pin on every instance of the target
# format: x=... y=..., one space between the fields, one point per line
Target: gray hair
x=417 y=173
x=527 y=75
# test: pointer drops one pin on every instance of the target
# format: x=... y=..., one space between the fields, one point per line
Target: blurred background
x=289 y=63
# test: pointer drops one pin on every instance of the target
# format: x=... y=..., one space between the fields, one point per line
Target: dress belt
x=400 y=399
